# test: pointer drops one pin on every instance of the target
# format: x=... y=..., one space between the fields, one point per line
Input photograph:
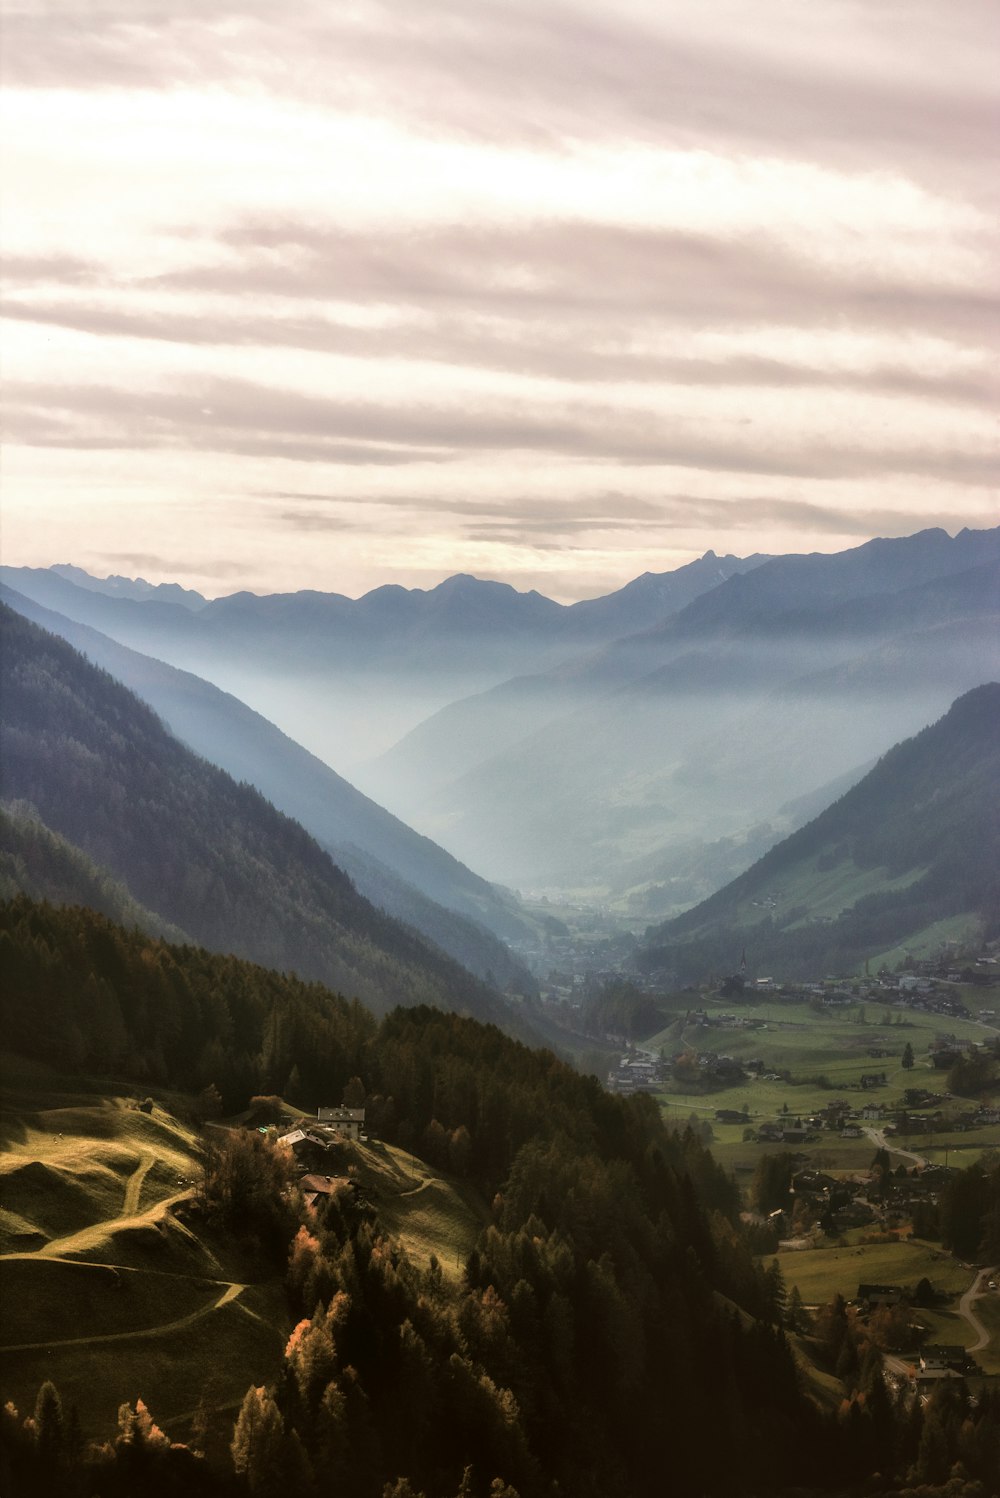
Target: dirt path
x=165 y=1328
x=58 y=1248
x=965 y=1309
x=133 y=1187
x=416 y=1190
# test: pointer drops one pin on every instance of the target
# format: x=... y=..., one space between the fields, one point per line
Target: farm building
x=346 y=1121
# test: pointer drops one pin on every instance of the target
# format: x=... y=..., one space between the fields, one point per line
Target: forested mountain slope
x=599 y=1303
x=610 y=1334
x=406 y=874
x=915 y=842
x=204 y=852
x=38 y=862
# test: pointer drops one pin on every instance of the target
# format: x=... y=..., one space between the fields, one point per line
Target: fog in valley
x=634 y=752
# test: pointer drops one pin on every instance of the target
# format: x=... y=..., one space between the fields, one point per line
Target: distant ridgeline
x=180 y=845
x=916 y=842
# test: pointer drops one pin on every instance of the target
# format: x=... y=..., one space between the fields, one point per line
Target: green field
x=427 y=1213
x=809 y=1046
x=821 y=1273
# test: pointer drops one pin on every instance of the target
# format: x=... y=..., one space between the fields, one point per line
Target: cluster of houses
x=313 y=1146
x=823 y=1204
x=849 y=1123
x=639 y=1073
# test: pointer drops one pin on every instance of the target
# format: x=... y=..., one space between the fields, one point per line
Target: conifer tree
x=256 y=1446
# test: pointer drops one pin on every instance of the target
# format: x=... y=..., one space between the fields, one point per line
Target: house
x=346 y=1121
x=935 y=1358
x=872 y=1111
x=879 y=1295
x=316 y=1187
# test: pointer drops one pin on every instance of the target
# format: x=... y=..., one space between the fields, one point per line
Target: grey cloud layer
x=549 y=524
x=900 y=88
x=550 y=72
x=577 y=302
x=238 y=417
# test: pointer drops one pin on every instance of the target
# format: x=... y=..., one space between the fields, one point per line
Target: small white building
x=346 y=1121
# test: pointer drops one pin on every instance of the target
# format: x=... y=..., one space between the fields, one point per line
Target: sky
x=332 y=295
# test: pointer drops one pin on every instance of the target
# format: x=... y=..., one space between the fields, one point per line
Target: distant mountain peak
x=115 y=585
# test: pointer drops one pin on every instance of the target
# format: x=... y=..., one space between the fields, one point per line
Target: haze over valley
x=632 y=752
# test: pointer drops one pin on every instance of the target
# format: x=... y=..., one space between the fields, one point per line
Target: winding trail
x=83 y=1238
x=164 y=1329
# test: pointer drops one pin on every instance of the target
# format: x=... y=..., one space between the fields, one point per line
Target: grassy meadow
x=109 y=1292
x=834 y=1046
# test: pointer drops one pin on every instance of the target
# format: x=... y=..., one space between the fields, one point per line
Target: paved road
x=965 y=1308
x=877 y=1136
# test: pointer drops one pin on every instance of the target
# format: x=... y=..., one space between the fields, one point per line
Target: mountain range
x=638 y=750
x=347 y=677
x=618 y=773
x=208 y=856
x=405 y=874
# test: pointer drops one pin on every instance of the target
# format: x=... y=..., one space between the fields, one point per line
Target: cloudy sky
x=552 y=291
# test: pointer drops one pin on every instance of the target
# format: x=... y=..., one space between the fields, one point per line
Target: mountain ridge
x=229 y=733
x=207 y=854
x=914 y=842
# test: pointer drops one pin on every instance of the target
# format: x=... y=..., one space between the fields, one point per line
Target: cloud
x=851 y=82
x=548 y=236
x=528 y=346
x=239 y=417
x=173 y=566
x=592 y=272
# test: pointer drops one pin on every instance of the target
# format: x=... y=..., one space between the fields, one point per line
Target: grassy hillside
x=914 y=844
x=104 y=1288
x=112 y=1290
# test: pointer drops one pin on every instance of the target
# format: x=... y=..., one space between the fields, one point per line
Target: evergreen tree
x=256 y=1447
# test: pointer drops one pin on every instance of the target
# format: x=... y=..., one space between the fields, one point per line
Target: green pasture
x=46 y=1299
x=429 y=1213
x=965 y=930
x=809 y=1045
x=821 y=1273
x=826 y=892
x=227 y=1350
x=105 y=1288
